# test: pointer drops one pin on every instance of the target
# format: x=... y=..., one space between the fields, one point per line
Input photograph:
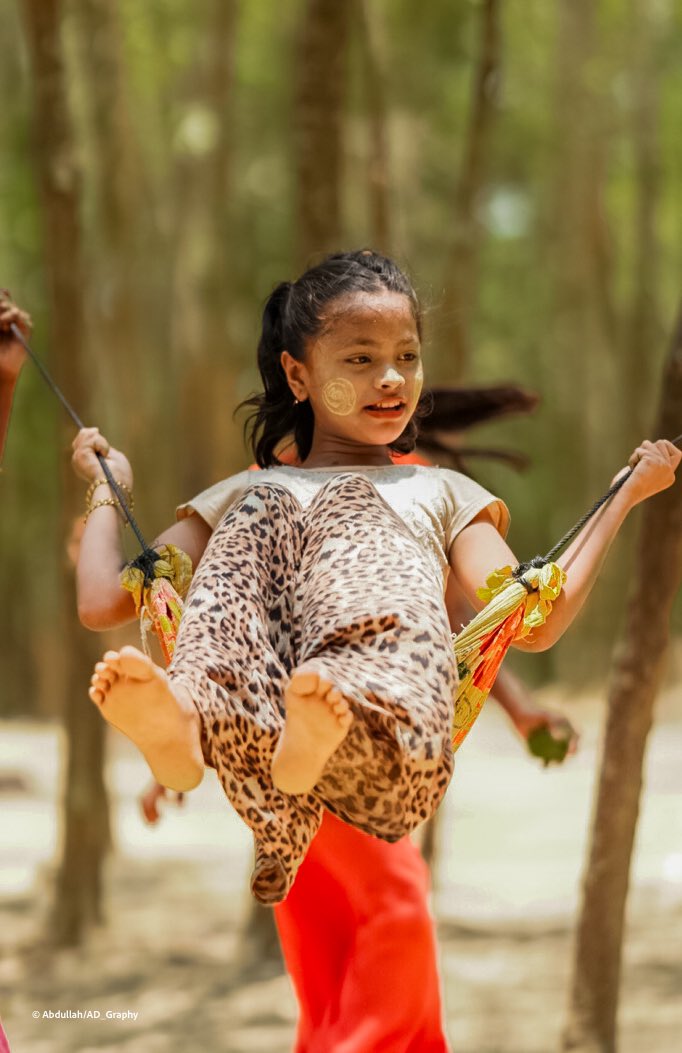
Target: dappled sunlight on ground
x=512 y=843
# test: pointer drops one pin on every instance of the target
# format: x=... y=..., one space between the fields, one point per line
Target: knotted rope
x=148 y=557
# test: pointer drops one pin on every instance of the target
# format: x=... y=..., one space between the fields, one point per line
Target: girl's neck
x=337 y=456
x=329 y=452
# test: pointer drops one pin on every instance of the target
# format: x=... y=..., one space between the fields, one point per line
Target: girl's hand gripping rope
x=653 y=467
x=87 y=444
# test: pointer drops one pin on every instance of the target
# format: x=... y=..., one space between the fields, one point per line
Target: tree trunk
x=462 y=265
x=85 y=817
x=635 y=679
x=583 y=337
x=378 y=163
x=319 y=95
x=258 y=950
x=125 y=270
x=643 y=331
x=204 y=361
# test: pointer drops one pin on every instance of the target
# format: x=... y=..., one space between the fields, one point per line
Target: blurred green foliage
x=524 y=326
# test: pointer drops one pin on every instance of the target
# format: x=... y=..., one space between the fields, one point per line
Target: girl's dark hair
x=292 y=315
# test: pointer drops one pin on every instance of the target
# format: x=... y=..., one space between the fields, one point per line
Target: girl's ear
x=294 y=371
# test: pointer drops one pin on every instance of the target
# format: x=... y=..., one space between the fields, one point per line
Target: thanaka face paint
x=418 y=383
x=339 y=396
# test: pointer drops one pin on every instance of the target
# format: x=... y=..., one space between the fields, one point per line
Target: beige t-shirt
x=435 y=503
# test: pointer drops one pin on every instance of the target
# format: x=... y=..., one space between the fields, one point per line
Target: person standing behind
x=12 y=358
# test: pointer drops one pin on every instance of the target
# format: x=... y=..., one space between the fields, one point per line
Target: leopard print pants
x=344 y=587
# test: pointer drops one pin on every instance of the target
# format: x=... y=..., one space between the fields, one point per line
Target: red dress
x=359 y=943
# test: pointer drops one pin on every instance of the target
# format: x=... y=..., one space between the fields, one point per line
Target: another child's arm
x=12 y=357
x=102 y=602
x=478 y=549
x=525 y=714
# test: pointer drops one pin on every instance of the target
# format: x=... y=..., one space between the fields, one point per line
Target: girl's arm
x=102 y=602
x=478 y=549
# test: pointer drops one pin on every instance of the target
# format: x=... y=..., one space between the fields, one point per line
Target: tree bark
x=204 y=361
x=581 y=360
x=319 y=95
x=258 y=950
x=85 y=817
x=643 y=329
x=378 y=161
x=635 y=678
x=126 y=275
x=462 y=266
x=114 y=181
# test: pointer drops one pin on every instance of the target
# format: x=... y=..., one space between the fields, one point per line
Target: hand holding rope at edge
x=519 y=600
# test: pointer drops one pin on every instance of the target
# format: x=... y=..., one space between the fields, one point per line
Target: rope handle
x=145 y=561
x=540 y=561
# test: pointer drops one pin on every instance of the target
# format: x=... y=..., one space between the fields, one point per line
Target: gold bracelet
x=105 y=482
x=100 y=504
x=129 y=500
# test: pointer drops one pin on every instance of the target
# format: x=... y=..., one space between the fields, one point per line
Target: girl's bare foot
x=136 y=696
x=317 y=722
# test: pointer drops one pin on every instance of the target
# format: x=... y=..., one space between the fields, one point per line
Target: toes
x=309 y=682
x=110 y=659
x=102 y=684
x=105 y=672
x=304 y=683
x=135 y=664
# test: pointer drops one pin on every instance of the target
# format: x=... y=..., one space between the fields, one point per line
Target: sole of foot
x=136 y=696
x=317 y=721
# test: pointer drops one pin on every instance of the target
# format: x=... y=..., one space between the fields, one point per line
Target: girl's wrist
x=94 y=485
x=627 y=497
x=98 y=497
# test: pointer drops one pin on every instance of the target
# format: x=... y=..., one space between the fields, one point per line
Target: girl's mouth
x=388 y=409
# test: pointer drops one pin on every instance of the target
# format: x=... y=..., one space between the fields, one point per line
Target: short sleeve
x=212 y=504
x=464 y=499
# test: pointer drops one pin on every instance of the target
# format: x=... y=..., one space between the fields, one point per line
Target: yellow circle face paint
x=419 y=379
x=339 y=396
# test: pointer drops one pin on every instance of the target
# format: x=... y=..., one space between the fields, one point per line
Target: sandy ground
x=507 y=885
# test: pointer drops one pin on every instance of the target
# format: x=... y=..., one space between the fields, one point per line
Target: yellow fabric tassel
x=511 y=613
x=159 y=605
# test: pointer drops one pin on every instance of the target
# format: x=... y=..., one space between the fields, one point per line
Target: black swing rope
x=148 y=557
x=540 y=561
x=145 y=561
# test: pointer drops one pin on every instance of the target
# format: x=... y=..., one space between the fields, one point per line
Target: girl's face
x=363 y=371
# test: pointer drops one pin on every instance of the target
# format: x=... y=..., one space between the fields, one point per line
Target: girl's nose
x=391 y=378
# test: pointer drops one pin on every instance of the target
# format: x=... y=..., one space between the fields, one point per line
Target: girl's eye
x=409 y=356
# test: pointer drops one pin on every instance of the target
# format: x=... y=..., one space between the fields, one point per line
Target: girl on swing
x=314 y=668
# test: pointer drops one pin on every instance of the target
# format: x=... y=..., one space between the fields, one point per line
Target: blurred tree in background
x=522 y=159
